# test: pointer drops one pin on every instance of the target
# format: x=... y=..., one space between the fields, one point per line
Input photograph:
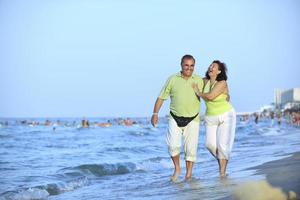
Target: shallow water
x=120 y=162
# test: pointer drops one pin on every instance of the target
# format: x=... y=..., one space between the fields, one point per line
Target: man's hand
x=154 y=120
x=157 y=105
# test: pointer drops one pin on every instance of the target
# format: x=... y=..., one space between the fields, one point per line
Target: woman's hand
x=195 y=88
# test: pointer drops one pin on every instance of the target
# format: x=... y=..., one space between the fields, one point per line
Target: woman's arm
x=219 y=88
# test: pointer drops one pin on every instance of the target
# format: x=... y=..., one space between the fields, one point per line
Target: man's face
x=187 y=67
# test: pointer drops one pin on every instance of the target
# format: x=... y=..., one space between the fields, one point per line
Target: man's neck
x=185 y=77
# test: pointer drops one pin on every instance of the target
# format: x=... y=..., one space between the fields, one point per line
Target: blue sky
x=104 y=58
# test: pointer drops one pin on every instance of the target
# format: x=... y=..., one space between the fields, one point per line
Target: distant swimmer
x=85 y=123
x=128 y=122
x=256 y=118
x=104 y=124
x=279 y=116
x=272 y=118
x=47 y=123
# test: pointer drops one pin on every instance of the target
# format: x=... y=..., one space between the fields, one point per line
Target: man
x=184 y=119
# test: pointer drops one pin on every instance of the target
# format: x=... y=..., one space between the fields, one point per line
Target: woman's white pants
x=220 y=133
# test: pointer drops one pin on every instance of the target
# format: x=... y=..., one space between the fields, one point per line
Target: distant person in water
x=47 y=123
x=104 y=124
x=184 y=116
x=128 y=122
x=279 y=116
x=272 y=118
x=256 y=118
x=220 y=117
x=85 y=123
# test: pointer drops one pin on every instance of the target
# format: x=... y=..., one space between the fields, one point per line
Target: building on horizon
x=277 y=97
x=287 y=99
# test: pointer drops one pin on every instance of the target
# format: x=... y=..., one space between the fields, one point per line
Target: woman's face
x=213 y=70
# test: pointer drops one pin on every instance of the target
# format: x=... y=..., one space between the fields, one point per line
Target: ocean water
x=127 y=162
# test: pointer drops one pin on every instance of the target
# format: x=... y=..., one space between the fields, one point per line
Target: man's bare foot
x=188 y=178
x=175 y=175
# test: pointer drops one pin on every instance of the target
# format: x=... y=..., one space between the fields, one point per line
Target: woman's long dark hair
x=222 y=67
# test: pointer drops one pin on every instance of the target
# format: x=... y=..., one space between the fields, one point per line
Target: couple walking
x=185 y=90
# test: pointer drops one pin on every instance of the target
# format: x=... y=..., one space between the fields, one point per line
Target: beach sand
x=282 y=181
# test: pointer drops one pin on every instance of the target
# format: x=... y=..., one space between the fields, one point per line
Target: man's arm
x=157 y=106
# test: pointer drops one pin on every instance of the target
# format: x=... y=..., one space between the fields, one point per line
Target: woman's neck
x=213 y=79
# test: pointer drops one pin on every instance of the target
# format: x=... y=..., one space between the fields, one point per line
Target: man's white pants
x=190 y=134
x=220 y=133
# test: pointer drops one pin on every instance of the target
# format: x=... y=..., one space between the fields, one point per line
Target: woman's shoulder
x=222 y=83
x=205 y=80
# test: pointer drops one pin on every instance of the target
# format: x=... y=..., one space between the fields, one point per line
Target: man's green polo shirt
x=184 y=101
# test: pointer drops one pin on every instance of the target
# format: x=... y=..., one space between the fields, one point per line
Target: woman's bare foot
x=223 y=175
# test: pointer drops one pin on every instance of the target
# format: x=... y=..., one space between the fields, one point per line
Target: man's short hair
x=187 y=57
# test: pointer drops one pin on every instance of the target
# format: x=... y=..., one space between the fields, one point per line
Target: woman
x=220 y=117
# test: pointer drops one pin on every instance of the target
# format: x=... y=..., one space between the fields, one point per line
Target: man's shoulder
x=178 y=74
x=174 y=76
